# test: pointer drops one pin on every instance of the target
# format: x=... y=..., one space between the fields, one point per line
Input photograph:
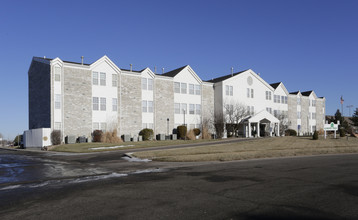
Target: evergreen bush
x=290 y=132
x=315 y=135
x=97 y=135
x=181 y=131
x=342 y=132
x=147 y=134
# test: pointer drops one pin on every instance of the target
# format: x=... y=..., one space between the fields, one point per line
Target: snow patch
x=112 y=147
x=100 y=177
x=153 y=170
x=130 y=158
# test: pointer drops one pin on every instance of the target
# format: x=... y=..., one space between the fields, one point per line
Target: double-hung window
x=183 y=108
x=114 y=80
x=102 y=79
x=198 y=109
x=103 y=104
x=57 y=101
x=183 y=88
x=95 y=101
x=252 y=93
x=268 y=95
x=144 y=106
x=95 y=78
x=57 y=74
x=229 y=90
x=150 y=84
x=150 y=106
x=191 y=89
x=191 y=109
x=176 y=87
x=144 y=84
x=177 y=108
x=197 y=90
x=114 y=104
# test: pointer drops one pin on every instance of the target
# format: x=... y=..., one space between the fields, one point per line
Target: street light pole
x=168 y=125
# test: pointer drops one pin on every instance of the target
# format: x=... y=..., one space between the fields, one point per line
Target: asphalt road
x=319 y=187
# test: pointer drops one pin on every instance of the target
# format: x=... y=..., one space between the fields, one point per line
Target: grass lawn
x=88 y=147
x=260 y=148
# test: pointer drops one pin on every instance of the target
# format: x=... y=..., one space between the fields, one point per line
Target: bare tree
x=284 y=122
x=234 y=114
x=219 y=123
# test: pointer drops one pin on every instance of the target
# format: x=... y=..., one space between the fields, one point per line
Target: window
x=248 y=92
x=282 y=99
x=313 y=103
x=114 y=80
x=102 y=79
x=276 y=99
x=298 y=101
x=252 y=110
x=103 y=127
x=57 y=126
x=183 y=108
x=176 y=87
x=286 y=99
x=57 y=101
x=314 y=128
x=144 y=84
x=298 y=115
x=197 y=90
x=177 y=108
x=144 y=125
x=252 y=93
x=229 y=90
x=269 y=110
x=191 y=109
x=229 y=109
x=183 y=88
x=150 y=106
x=313 y=115
x=95 y=101
x=191 y=89
x=198 y=109
x=150 y=84
x=144 y=106
x=103 y=104
x=95 y=126
x=268 y=95
x=114 y=104
x=95 y=78
x=57 y=74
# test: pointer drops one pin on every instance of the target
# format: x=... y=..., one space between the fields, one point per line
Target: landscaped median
x=98 y=146
x=260 y=148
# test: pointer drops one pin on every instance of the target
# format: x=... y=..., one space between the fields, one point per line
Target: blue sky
x=306 y=44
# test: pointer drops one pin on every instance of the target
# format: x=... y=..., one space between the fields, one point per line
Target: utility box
x=70 y=139
x=126 y=137
x=173 y=137
x=135 y=138
x=82 y=139
x=160 y=137
x=140 y=138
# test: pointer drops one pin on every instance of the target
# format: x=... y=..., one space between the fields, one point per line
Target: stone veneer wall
x=292 y=111
x=130 y=104
x=320 y=115
x=164 y=106
x=207 y=104
x=305 y=103
x=77 y=104
x=39 y=95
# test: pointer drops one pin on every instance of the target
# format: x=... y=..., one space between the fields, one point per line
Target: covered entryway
x=253 y=125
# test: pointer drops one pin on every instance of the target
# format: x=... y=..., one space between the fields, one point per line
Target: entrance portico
x=252 y=123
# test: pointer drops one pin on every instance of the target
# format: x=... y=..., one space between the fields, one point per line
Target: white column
x=271 y=127
x=258 y=129
x=245 y=135
x=249 y=129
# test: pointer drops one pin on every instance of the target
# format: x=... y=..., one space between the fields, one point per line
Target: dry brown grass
x=190 y=135
x=111 y=137
x=260 y=148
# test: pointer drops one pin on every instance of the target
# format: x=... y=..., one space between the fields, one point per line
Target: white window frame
x=58 y=101
x=252 y=93
x=176 y=108
x=95 y=80
x=191 y=89
x=102 y=78
x=114 y=104
x=150 y=106
x=150 y=84
x=183 y=88
x=144 y=84
x=191 y=109
x=95 y=103
x=198 y=109
x=183 y=108
x=144 y=106
x=176 y=87
x=95 y=126
x=114 y=80
x=57 y=126
x=197 y=89
x=57 y=74
x=103 y=104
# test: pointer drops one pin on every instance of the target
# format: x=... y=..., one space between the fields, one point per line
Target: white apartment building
x=78 y=98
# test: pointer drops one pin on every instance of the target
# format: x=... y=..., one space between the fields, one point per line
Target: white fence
x=39 y=137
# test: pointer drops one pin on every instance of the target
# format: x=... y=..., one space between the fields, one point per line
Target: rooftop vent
x=82 y=60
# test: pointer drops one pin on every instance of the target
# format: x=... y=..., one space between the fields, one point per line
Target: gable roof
x=294 y=93
x=173 y=72
x=307 y=93
x=275 y=85
x=49 y=59
x=222 y=78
